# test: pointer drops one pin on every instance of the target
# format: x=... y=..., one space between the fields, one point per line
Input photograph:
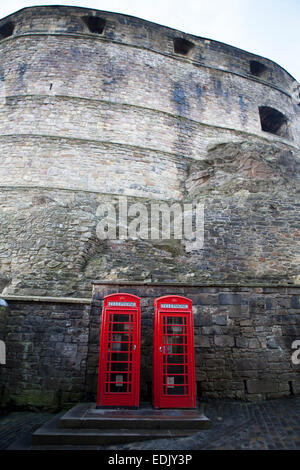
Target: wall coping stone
x=178 y=284
x=33 y=298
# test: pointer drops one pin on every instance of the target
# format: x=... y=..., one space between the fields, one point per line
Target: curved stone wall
x=95 y=105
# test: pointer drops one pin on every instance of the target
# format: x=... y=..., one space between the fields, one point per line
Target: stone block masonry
x=91 y=112
x=97 y=105
x=251 y=223
x=243 y=338
x=47 y=344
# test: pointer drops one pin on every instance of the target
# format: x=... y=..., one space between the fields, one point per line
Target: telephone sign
x=119 y=356
x=173 y=373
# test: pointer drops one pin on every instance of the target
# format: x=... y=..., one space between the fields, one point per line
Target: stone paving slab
x=86 y=415
x=266 y=425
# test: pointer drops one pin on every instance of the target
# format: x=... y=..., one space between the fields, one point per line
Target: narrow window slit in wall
x=95 y=24
x=7 y=30
x=182 y=46
x=273 y=121
x=291 y=387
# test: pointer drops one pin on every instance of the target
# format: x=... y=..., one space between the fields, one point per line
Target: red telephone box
x=119 y=356
x=173 y=373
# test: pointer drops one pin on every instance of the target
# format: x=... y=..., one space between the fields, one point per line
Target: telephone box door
x=173 y=354
x=119 y=356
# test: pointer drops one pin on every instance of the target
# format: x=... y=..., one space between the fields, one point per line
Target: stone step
x=86 y=416
x=85 y=425
x=51 y=434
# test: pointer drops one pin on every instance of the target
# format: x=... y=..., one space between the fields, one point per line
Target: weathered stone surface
x=188 y=131
x=261 y=386
x=47 y=346
x=241 y=342
x=224 y=340
x=220 y=319
x=157 y=127
x=202 y=342
x=230 y=299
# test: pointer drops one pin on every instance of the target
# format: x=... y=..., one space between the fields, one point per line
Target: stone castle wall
x=90 y=116
x=251 y=229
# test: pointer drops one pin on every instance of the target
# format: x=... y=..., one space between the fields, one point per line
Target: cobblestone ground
x=16 y=424
x=267 y=425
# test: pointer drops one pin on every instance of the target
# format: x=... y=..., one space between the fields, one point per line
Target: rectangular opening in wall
x=258 y=69
x=7 y=30
x=95 y=24
x=182 y=46
x=291 y=387
x=273 y=121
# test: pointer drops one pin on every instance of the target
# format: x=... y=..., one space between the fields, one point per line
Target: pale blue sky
x=270 y=28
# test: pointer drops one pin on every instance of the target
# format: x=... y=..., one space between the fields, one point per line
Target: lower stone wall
x=46 y=345
x=243 y=343
x=243 y=338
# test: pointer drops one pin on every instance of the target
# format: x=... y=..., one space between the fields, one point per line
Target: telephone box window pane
x=118 y=357
x=122 y=347
x=180 y=359
x=118 y=388
x=117 y=377
x=118 y=381
x=174 y=349
x=121 y=318
x=174 y=320
x=121 y=327
x=174 y=330
x=173 y=339
x=171 y=381
x=177 y=390
x=116 y=337
x=171 y=369
x=122 y=337
x=120 y=367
